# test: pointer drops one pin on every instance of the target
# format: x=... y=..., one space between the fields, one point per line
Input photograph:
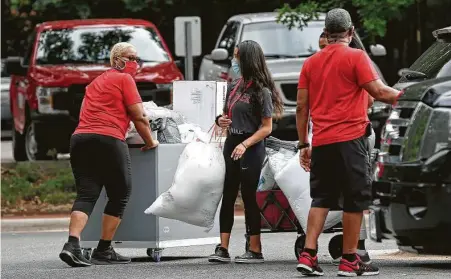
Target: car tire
x=35 y=150
x=18 y=142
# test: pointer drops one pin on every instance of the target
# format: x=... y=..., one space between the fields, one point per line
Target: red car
x=48 y=83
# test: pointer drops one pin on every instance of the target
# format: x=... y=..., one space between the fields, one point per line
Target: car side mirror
x=402 y=71
x=378 y=50
x=219 y=54
x=14 y=66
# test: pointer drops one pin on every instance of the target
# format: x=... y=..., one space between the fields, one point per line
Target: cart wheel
x=87 y=252
x=336 y=246
x=299 y=245
x=155 y=254
x=247 y=242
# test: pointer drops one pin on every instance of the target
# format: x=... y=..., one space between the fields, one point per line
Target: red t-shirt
x=104 y=108
x=338 y=104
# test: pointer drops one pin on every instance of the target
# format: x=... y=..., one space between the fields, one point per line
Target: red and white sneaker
x=308 y=265
x=356 y=268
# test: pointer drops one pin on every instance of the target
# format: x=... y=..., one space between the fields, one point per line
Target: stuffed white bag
x=294 y=181
x=197 y=187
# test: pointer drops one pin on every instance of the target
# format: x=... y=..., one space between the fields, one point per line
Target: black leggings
x=99 y=161
x=246 y=172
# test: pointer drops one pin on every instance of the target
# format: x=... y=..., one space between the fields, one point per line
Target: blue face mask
x=236 y=67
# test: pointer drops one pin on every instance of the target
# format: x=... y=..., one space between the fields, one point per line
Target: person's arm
x=266 y=125
x=382 y=92
x=133 y=103
x=368 y=79
x=302 y=105
x=142 y=125
x=302 y=115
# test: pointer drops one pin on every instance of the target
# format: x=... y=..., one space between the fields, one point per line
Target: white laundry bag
x=197 y=187
x=294 y=181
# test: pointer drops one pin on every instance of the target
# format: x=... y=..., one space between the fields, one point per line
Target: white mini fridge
x=199 y=101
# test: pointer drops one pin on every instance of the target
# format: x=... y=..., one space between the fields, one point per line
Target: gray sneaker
x=109 y=256
x=73 y=256
x=221 y=255
x=250 y=257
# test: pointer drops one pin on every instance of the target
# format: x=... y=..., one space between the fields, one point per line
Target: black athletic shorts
x=340 y=176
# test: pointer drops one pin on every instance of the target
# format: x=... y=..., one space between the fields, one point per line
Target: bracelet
x=244 y=145
x=303 y=145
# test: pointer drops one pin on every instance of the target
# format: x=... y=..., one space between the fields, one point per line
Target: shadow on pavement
x=165 y=259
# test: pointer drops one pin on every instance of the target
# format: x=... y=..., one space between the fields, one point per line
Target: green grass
x=42 y=182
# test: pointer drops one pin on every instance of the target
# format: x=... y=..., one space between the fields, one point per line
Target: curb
x=34 y=224
x=45 y=224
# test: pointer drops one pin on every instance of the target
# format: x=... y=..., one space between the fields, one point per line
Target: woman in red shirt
x=99 y=155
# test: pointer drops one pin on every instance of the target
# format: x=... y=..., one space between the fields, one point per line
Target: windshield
x=93 y=44
x=432 y=61
x=275 y=38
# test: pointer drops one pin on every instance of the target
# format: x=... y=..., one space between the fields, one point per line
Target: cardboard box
x=199 y=101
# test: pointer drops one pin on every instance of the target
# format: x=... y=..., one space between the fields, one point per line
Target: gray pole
x=188 y=52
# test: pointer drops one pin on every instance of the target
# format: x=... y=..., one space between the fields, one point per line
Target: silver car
x=285 y=51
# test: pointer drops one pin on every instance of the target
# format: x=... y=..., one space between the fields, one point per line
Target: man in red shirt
x=332 y=89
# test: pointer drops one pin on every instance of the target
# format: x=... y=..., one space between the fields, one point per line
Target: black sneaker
x=250 y=257
x=221 y=255
x=109 y=256
x=72 y=255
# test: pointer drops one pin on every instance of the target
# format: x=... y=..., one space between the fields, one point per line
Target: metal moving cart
x=152 y=174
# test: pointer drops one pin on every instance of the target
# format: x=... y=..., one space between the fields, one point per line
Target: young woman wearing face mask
x=250 y=103
x=99 y=155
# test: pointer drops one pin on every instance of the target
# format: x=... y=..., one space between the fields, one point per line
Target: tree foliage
x=373 y=14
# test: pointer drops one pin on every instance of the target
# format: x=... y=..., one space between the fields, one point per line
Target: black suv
x=412 y=192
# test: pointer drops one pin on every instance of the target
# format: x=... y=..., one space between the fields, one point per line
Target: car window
x=445 y=71
x=432 y=60
x=228 y=38
x=277 y=40
x=85 y=45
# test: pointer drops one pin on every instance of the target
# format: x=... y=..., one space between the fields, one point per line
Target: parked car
x=412 y=195
x=63 y=57
x=412 y=191
x=5 y=107
x=433 y=63
x=285 y=51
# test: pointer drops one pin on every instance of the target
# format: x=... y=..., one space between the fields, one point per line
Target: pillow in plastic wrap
x=197 y=187
x=294 y=181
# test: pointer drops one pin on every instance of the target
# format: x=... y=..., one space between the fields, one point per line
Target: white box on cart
x=199 y=101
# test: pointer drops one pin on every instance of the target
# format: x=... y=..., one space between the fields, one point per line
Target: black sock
x=103 y=245
x=73 y=240
x=361 y=245
x=349 y=257
x=311 y=252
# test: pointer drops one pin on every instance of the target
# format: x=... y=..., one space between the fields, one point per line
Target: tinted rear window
x=432 y=60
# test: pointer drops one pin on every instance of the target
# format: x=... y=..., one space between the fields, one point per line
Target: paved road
x=35 y=255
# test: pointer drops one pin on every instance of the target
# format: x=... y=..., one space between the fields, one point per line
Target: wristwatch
x=303 y=145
